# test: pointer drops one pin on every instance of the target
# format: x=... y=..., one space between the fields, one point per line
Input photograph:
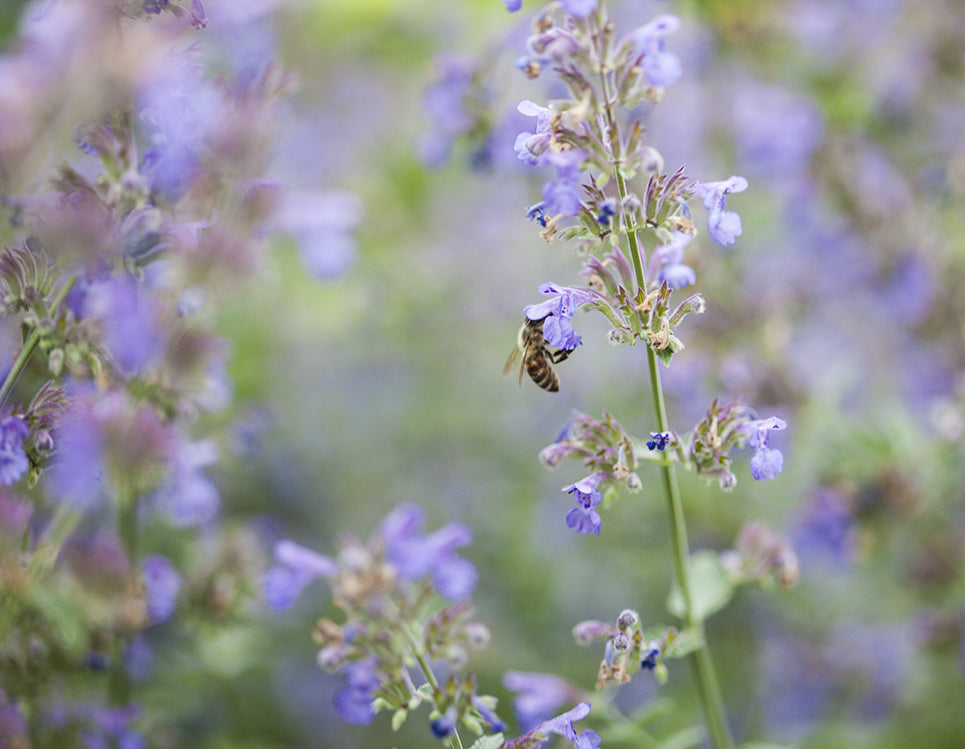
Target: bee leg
x=559 y=355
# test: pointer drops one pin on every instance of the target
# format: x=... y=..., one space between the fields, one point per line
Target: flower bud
x=627 y=618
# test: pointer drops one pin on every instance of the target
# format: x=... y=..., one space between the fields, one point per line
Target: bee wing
x=513 y=356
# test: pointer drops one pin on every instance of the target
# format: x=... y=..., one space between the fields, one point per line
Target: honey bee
x=536 y=356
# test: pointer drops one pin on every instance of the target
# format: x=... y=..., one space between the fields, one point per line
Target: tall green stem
x=703 y=667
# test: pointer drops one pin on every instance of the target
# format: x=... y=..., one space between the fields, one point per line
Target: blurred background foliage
x=838 y=309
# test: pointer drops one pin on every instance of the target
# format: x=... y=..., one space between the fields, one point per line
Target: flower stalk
x=701 y=661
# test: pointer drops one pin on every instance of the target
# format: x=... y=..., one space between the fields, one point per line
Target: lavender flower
x=416 y=555
x=162 y=583
x=539 y=695
x=530 y=147
x=667 y=261
x=323 y=225
x=584 y=518
x=658 y=440
x=188 y=496
x=13 y=459
x=353 y=703
x=297 y=567
x=661 y=67
x=724 y=226
x=556 y=313
x=561 y=725
x=766 y=463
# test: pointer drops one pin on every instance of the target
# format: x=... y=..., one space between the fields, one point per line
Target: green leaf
x=686 y=642
x=488 y=742
x=425 y=692
x=710 y=588
x=688 y=737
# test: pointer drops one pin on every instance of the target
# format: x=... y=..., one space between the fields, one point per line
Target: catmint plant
x=606 y=194
x=133 y=155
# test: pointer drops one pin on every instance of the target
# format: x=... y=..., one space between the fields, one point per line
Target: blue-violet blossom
x=416 y=555
x=584 y=518
x=297 y=567
x=766 y=463
x=668 y=263
x=661 y=67
x=557 y=312
x=724 y=226
x=162 y=583
x=353 y=703
x=13 y=459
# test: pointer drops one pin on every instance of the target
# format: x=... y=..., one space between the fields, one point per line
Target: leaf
x=688 y=737
x=488 y=742
x=686 y=642
x=710 y=588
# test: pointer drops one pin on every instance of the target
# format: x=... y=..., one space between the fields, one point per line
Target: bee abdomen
x=542 y=373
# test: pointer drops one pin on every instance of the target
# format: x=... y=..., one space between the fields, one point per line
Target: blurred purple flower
x=13 y=723
x=666 y=263
x=724 y=226
x=162 y=583
x=825 y=531
x=322 y=224
x=297 y=567
x=539 y=695
x=661 y=67
x=584 y=518
x=13 y=459
x=110 y=729
x=354 y=703
x=513 y=5
x=416 y=555
x=444 y=103
x=562 y=194
x=130 y=320
x=188 y=496
x=530 y=147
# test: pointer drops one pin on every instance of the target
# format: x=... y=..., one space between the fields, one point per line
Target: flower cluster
x=405 y=597
x=628 y=648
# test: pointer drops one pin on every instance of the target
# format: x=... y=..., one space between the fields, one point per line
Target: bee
x=536 y=356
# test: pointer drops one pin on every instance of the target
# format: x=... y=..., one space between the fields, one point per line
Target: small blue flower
x=766 y=463
x=513 y=5
x=297 y=567
x=667 y=262
x=354 y=703
x=530 y=147
x=162 y=583
x=538 y=695
x=649 y=659
x=496 y=724
x=416 y=555
x=445 y=724
x=658 y=440
x=557 y=312
x=606 y=211
x=537 y=213
x=661 y=67
x=584 y=518
x=13 y=459
x=724 y=226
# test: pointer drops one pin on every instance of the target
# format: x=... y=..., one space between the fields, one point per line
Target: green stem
x=119 y=683
x=454 y=741
x=30 y=344
x=701 y=662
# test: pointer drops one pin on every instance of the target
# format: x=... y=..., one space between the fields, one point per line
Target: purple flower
x=662 y=68
x=658 y=440
x=724 y=226
x=539 y=695
x=667 y=262
x=323 y=225
x=530 y=147
x=557 y=312
x=562 y=725
x=297 y=567
x=162 y=583
x=445 y=724
x=130 y=320
x=444 y=103
x=562 y=195
x=416 y=555
x=579 y=8
x=513 y=5
x=354 y=703
x=766 y=463
x=584 y=518
x=13 y=459
x=188 y=496
x=110 y=729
